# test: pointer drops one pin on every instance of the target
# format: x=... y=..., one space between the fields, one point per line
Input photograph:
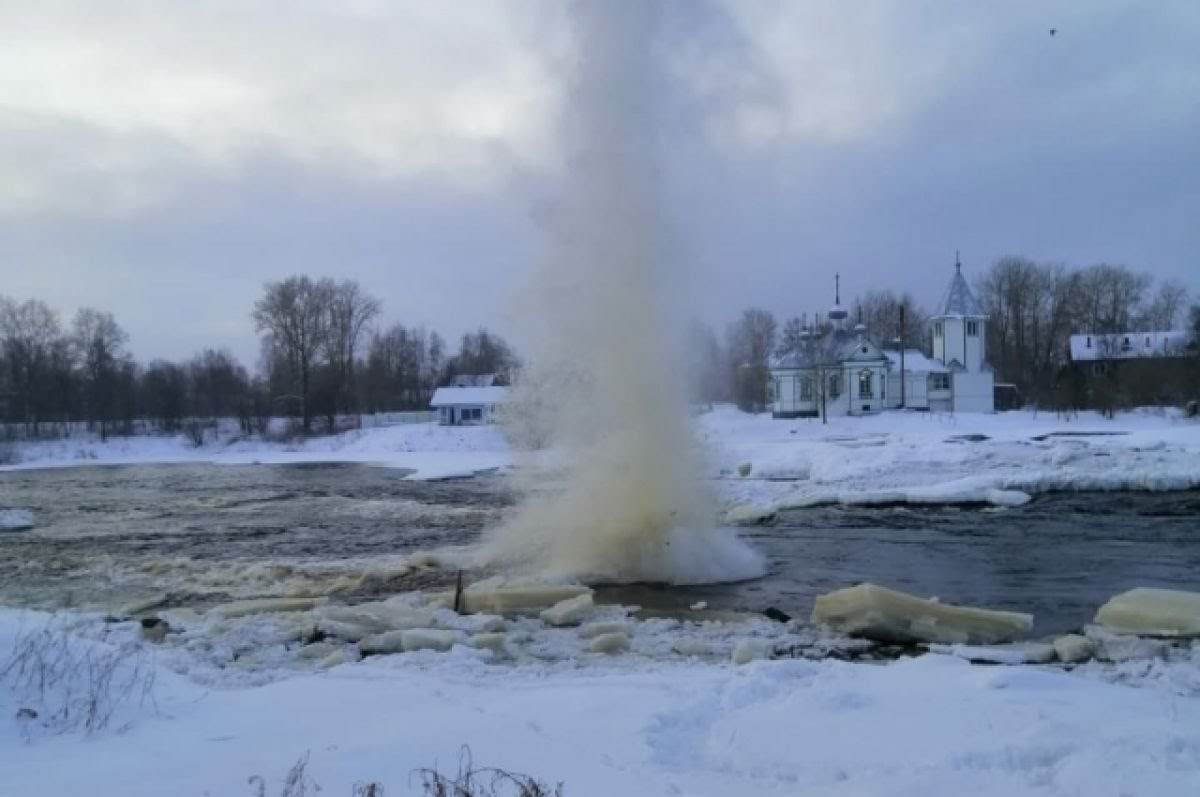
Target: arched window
x=865 y=384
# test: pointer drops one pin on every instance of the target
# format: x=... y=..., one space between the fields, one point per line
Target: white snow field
x=429 y=450
x=893 y=457
x=914 y=457
x=611 y=725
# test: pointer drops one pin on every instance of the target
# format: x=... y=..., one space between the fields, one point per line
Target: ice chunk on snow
x=1073 y=648
x=572 y=611
x=610 y=643
x=265 y=606
x=514 y=599
x=1015 y=653
x=1124 y=647
x=1153 y=612
x=592 y=630
x=15 y=519
x=750 y=515
x=748 y=650
x=497 y=642
x=691 y=646
x=876 y=612
x=374 y=617
x=409 y=640
x=429 y=639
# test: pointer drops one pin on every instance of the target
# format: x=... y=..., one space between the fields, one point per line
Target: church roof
x=832 y=349
x=959 y=300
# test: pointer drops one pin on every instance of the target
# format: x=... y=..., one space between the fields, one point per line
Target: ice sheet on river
x=879 y=613
x=1153 y=612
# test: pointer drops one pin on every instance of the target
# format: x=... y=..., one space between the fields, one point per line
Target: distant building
x=1130 y=346
x=839 y=371
x=469 y=400
x=1124 y=369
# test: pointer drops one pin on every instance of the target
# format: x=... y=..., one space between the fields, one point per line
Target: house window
x=939 y=381
x=937 y=329
x=835 y=385
x=806 y=389
x=972 y=329
x=865 y=386
x=1125 y=344
x=1089 y=341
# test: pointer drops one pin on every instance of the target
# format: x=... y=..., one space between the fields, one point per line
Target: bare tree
x=28 y=332
x=295 y=314
x=790 y=339
x=1110 y=296
x=891 y=317
x=707 y=366
x=750 y=342
x=1165 y=310
x=351 y=309
x=99 y=342
x=483 y=352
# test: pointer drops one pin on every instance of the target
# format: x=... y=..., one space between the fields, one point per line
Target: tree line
x=324 y=360
x=1033 y=308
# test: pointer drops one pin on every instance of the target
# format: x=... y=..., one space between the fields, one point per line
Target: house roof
x=471 y=396
x=959 y=301
x=1130 y=345
x=915 y=362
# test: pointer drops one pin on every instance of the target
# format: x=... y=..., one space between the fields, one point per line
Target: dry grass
x=296 y=784
x=472 y=781
x=68 y=685
x=467 y=781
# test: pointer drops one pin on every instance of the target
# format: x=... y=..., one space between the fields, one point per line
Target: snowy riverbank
x=614 y=725
x=893 y=457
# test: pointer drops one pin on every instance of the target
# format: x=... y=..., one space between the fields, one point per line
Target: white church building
x=840 y=371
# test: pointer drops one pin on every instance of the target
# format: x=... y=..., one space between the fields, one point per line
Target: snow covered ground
x=216 y=704
x=608 y=725
x=893 y=457
x=914 y=457
x=428 y=450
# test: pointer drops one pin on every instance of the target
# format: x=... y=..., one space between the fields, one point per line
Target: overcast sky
x=162 y=160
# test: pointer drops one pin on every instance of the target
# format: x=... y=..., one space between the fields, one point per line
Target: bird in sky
x=1053 y=31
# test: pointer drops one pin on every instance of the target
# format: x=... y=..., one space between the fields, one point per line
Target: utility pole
x=903 y=397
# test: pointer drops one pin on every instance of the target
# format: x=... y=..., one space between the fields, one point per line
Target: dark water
x=112 y=534
x=1060 y=556
x=210 y=532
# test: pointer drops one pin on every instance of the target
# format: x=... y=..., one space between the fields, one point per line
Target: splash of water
x=604 y=383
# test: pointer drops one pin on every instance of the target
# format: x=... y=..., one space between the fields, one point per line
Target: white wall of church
x=973 y=391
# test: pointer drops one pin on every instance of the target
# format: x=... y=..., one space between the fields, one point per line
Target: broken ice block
x=571 y=611
x=886 y=615
x=1153 y=612
x=265 y=606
